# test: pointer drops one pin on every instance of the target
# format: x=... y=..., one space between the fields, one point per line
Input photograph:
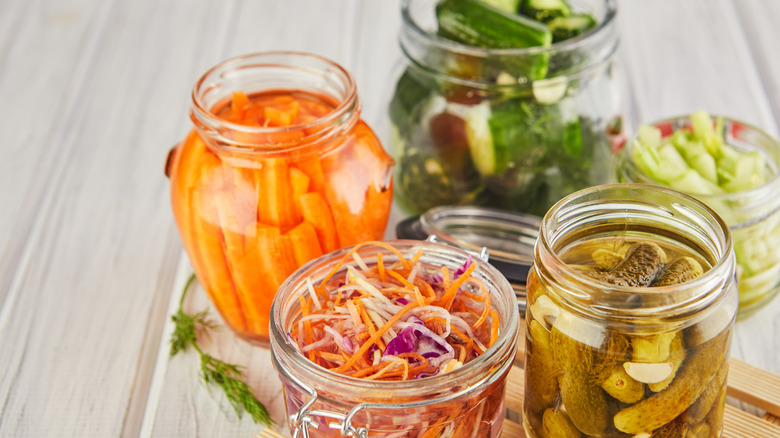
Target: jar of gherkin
x=632 y=301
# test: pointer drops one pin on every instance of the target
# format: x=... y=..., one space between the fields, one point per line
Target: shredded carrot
x=449 y=296
x=493 y=327
x=372 y=301
x=357 y=247
x=381 y=267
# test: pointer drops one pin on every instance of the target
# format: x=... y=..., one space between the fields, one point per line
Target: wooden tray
x=746 y=384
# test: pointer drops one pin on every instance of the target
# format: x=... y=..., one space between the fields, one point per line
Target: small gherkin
x=699 y=410
x=679 y=271
x=557 y=424
x=677 y=355
x=541 y=369
x=623 y=387
x=663 y=407
x=585 y=401
x=640 y=266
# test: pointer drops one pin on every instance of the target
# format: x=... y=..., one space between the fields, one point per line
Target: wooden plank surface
x=95 y=93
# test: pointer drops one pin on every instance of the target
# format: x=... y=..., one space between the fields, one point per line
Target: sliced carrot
x=305 y=243
x=277 y=117
x=239 y=106
x=299 y=181
x=274 y=194
x=313 y=169
x=185 y=173
x=300 y=185
x=277 y=261
x=213 y=267
x=315 y=211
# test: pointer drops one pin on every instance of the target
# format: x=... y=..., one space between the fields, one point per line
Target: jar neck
x=635 y=211
x=506 y=68
x=274 y=72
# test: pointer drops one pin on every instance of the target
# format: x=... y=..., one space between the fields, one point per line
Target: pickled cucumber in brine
x=598 y=378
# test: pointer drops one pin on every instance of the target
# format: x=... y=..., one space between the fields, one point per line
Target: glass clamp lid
x=508 y=236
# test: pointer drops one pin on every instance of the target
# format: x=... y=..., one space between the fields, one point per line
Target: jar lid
x=509 y=237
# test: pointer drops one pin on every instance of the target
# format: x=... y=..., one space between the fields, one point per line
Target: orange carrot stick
x=315 y=211
x=305 y=244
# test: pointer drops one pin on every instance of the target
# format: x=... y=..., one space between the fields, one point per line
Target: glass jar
x=475 y=126
x=327 y=404
x=279 y=169
x=632 y=301
x=753 y=216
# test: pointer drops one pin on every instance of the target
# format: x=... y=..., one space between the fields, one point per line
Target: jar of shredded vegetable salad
x=506 y=104
x=631 y=303
x=278 y=170
x=395 y=339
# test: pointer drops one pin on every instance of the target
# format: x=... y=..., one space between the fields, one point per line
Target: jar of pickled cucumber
x=632 y=301
x=278 y=169
x=500 y=107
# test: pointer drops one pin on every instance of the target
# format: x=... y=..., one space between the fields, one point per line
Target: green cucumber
x=505 y=5
x=489 y=157
x=563 y=28
x=545 y=10
x=479 y=24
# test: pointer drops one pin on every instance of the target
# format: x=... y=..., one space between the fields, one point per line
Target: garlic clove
x=545 y=311
x=649 y=372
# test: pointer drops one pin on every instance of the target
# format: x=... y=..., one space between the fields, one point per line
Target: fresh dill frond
x=213 y=371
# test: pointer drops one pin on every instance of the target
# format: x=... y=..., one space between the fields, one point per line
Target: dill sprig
x=212 y=370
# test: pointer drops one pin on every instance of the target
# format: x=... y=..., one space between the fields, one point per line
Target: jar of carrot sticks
x=395 y=339
x=278 y=170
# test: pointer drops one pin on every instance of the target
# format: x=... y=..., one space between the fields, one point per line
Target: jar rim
x=569 y=44
x=683 y=309
x=348 y=104
x=768 y=189
x=285 y=349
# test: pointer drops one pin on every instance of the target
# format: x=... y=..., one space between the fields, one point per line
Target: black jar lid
x=508 y=237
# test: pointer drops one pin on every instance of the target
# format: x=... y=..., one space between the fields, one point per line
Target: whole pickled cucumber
x=622 y=387
x=699 y=410
x=541 y=369
x=715 y=416
x=606 y=259
x=557 y=424
x=676 y=356
x=672 y=429
x=642 y=263
x=585 y=401
x=681 y=270
x=652 y=349
x=663 y=407
x=699 y=431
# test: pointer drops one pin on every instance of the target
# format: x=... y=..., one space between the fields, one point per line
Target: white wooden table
x=95 y=92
